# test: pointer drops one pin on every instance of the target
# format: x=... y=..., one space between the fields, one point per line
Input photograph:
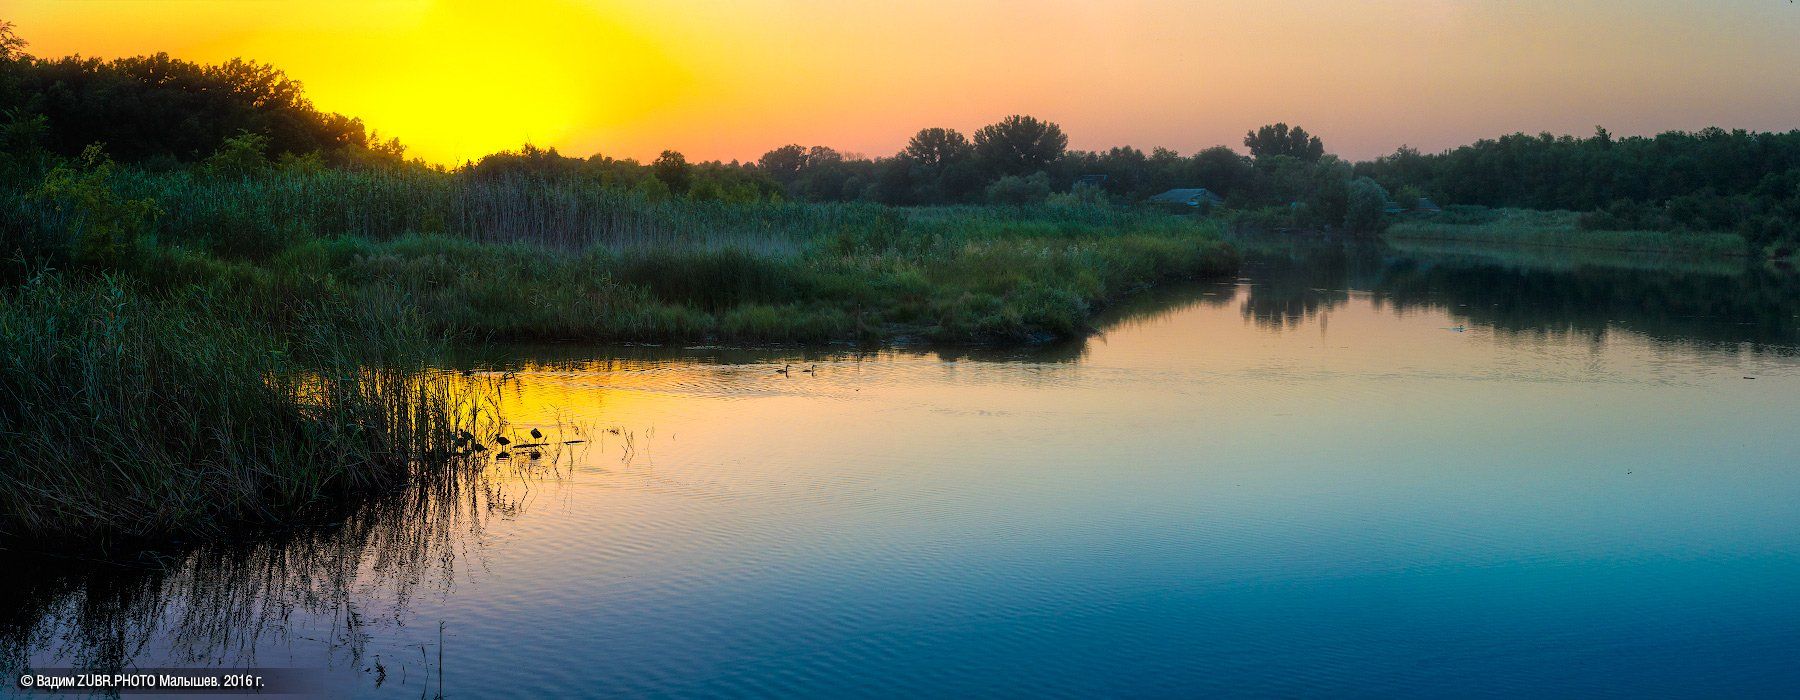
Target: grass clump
x=131 y=415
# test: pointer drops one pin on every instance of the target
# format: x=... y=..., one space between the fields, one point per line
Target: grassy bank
x=136 y=416
x=945 y=276
x=558 y=259
x=1561 y=229
x=187 y=357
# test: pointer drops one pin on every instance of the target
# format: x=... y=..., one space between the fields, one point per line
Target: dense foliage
x=242 y=119
x=1709 y=180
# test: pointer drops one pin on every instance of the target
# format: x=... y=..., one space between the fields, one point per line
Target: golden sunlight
x=453 y=79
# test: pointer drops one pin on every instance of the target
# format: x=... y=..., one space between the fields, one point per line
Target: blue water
x=1351 y=472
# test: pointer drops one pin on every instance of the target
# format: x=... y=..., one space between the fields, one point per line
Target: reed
x=133 y=415
x=222 y=352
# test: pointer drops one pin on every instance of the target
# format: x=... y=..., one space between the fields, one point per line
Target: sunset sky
x=454 y=79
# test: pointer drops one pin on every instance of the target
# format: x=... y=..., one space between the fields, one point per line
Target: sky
x=730 y=79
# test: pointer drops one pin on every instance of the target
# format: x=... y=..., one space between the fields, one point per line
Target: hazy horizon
x=730 y=80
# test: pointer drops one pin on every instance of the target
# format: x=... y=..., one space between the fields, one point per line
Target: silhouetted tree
x=158 y=108
x=1279 y=140
x=937 y=148
x=1223 y=171
x=12 y=47
x=1019 y=145
x=673 y=170
x=784 y=164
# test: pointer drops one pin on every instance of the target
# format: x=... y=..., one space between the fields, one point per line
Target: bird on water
x=783 y=370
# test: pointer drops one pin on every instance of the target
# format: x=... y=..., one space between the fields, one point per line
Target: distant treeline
x=1713 y=179
x=163 y=114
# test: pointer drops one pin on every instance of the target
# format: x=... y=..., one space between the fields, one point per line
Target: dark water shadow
x=1146 y=306
x=222 y=604
x=1708 y=304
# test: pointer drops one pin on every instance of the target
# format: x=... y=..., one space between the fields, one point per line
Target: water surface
x=1353 y=471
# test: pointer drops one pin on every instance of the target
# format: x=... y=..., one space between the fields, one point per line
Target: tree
x=166 y=110
x=1018 y=145
x=11 y=46
x=936 y=148
x=1366 y=207
x=1279 y=140
x=784 y=163
x=673 y=170
x=1223 y=171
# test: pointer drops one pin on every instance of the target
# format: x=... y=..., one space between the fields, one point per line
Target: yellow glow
x=731 y=78
x=453 y=79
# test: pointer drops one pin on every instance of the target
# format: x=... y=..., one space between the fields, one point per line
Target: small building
x=1199 y=197
x=1094 y=181
x=1426 y=206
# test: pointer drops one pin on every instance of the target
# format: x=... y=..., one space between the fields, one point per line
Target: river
x=1355 y=470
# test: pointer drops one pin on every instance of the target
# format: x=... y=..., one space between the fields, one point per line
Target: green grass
x=972 y=275
x=531 y=258
x=1560 y=229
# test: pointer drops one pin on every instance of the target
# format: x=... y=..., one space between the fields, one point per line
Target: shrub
x=1018 y=191
x=102 y=226
x=1365 y=210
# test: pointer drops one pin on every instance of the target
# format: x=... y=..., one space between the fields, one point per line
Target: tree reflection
x=1716 y=305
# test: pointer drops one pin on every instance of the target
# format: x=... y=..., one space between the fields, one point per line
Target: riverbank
x=1561 y=229
x=968 y=275
x=165 y=389
x=134 y=417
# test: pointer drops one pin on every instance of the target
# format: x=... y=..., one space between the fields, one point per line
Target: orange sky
x=732 y=78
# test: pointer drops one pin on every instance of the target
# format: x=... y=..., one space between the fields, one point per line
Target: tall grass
x=268 y=211
x=961 y=281
x=530 y=258
x=231 y=350
x=130 y=415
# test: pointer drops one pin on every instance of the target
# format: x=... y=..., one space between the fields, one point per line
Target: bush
x=1019 y=191
x=102 y=227
x=1081 y=195
x=1366 y=208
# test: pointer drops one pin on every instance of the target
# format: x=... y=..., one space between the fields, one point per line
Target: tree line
x=1712 y=179
x=163 y=113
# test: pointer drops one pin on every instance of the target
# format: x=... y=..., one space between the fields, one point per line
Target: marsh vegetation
x=220 y=302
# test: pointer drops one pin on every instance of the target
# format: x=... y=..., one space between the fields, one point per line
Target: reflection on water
x=1356 y=470
x=220 y=604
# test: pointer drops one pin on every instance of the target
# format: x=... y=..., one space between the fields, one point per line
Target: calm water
x=1352 y=472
